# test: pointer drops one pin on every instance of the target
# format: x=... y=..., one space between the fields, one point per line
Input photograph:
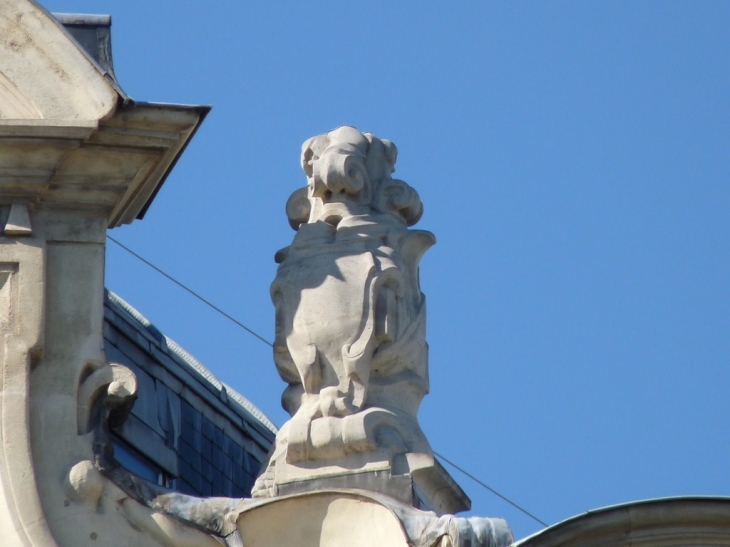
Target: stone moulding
x=111 y=167
x=71 y=138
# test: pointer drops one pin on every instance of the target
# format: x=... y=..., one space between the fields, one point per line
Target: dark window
x=135 y=462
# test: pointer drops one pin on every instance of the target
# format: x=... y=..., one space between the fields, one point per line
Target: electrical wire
x=265 y=341
x=492 y=490
x=191 y=291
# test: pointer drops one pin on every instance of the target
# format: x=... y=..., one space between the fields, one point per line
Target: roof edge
x=622 y=519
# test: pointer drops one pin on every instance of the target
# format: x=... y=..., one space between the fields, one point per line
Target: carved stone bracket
x=18 y=222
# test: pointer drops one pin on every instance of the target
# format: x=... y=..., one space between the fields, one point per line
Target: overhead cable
x=191 y=291
x=492 y=490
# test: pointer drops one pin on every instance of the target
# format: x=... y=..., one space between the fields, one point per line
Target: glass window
x=135 y=462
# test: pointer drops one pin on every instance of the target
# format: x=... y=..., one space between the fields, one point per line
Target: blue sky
x=574 y=163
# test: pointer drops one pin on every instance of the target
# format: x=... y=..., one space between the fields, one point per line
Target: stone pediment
x=43 y=74
x=70 y=140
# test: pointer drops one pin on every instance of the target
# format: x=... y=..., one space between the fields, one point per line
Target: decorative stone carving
x=351 y=327
x=106 y=395
x=85 y=482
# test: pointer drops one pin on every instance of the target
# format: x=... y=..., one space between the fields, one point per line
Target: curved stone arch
x=665 y=522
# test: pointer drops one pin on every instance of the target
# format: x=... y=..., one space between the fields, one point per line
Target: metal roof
x=224 y=393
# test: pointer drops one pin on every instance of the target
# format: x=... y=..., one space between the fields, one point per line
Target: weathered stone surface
x=45 y=76
x=22 y=322
x=71 y=140
x=320 y=520
x=352 y=466
x=78 y=159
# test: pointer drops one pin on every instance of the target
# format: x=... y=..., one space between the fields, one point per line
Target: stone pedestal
x=355 y=518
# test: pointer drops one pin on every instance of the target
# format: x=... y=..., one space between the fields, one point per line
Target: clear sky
x=574 y=163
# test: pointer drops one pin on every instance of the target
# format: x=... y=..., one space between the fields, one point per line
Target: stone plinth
x=356 y=519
